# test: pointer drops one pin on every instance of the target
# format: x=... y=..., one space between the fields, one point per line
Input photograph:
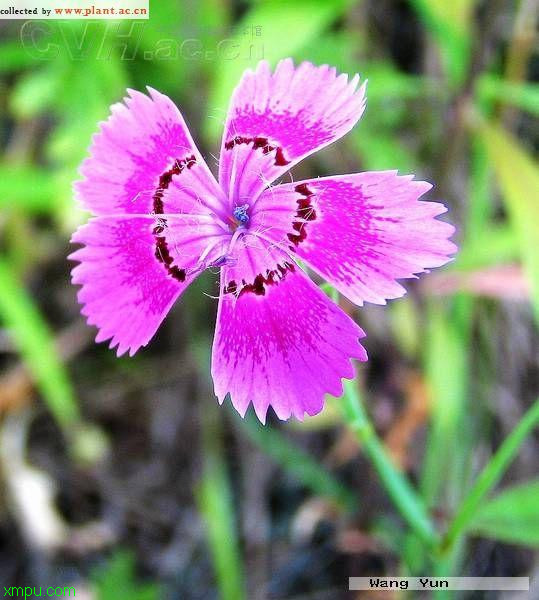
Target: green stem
x=490 y=476
x=397 y=486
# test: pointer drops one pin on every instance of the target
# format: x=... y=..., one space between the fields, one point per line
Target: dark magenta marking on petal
x=162 y=252
x=305 y=212
x=177 y=273
x=280 y=160
x=258 y=286
x=231 y=288
x=259 y=143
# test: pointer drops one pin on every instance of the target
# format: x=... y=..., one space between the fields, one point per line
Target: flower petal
x=361 y=232
x=131 y=276
x=143 y=145
x=279 y=340
x=275 y=120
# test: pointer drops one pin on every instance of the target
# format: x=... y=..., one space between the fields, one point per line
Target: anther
x=240 y=214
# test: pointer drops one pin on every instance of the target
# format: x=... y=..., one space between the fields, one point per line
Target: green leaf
x=405 y=328
x=36 y=90
x=511 y=516
x=28 y=188
x=296 y=461
x=337 y=49
x=378 y=138
x=446 y=355
x=380 y=150
x=491 y=246
x=388 y=83
x=35 y=343
x=217 y=508
x=518 y=177
x=520 y=95
x=14 y=56
x=161 y=58
x=214 y=501
x=480 y=206
x=118 y=579
x=449 y=22
x=294 y=24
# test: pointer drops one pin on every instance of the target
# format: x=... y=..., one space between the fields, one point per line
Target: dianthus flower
x=161 y=219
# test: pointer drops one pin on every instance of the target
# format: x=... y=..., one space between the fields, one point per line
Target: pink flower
x=161 y=219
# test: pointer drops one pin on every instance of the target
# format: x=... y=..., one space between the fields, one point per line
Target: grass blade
x=35 y=343
x=214 y=500
x=446 y=363
x=518 y=177
x=297 y=462
x=490 y=475
x=492 y=89
x=216 y=506
x=450 y=25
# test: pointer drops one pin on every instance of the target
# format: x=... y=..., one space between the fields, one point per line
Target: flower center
x=241 y=216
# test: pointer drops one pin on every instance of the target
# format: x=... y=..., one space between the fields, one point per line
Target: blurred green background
x=121 y=477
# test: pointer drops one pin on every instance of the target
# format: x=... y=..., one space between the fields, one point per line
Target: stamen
x=240 y=214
